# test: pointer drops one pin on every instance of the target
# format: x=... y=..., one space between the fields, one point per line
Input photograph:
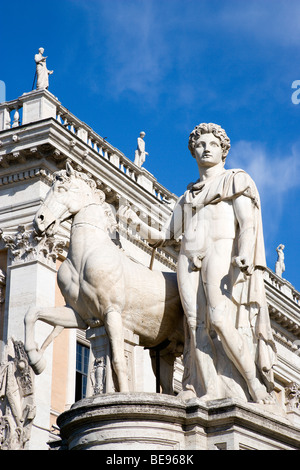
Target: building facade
x=38 y=135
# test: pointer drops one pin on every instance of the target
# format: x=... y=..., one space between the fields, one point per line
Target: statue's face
x=208 y=151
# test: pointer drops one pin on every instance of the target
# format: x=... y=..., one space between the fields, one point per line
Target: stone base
x=149 y=421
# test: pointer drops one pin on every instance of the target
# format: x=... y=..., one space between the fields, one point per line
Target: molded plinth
x=149 y=421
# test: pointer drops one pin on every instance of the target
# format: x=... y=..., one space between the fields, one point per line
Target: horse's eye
x=61 y=189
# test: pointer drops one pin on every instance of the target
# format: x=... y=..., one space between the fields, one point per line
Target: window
x=82 y=363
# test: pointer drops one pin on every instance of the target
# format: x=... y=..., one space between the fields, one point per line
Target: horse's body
x=100 y=284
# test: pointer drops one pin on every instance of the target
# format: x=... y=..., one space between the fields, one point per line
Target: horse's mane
x=64 y=177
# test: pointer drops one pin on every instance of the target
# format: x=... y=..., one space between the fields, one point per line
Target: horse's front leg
x=114 y=329
x=59 y=318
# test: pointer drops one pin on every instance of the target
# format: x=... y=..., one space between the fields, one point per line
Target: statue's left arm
x=169 y=233
x=246 y=233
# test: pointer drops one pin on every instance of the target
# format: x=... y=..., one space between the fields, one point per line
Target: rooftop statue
x=140 y=154
x=229 y=349
x=280 y=266
x=42 y=73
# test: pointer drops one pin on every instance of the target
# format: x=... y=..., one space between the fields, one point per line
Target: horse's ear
x=69 y=169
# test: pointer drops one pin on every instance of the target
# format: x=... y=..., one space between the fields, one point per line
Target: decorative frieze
x=25 y=175
x=288 y=323
x=17 y=406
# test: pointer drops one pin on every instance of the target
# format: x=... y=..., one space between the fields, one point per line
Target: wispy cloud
x=129 y=35
x=139 y=51
x=275 y=176
x=142 y=43
x=272 y=173
x=266 y=21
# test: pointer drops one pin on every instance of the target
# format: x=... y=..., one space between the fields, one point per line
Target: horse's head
x=70 y=192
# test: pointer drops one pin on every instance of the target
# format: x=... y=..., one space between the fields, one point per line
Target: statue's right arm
x=151 y=234
x=172 y=230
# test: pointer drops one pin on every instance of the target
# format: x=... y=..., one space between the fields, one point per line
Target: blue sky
x=164 y=66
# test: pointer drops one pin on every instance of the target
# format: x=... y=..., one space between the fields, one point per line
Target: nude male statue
x=229 y=348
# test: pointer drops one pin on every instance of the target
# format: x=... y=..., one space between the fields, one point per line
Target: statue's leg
x=59 y=318
x=222 y=318
x=201 y=356
x=114 y=329
x=167 y=372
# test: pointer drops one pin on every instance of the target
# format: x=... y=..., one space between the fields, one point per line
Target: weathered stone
x=142 y=421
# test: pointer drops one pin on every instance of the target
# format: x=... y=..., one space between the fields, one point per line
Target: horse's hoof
x=37 y=361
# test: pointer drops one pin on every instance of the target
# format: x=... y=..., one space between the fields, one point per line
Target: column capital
x=25 y=245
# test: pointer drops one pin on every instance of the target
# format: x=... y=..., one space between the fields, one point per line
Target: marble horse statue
x=100 y=284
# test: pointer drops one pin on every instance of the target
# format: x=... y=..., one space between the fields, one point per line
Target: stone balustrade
x=41 y=104
x=10 y=114
x=282 y=285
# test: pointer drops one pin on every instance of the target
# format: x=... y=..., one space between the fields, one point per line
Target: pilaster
x=30 y=281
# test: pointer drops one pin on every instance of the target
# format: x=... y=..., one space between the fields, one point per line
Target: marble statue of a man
x=229 y=348
x=140 y=154
x=42 y=72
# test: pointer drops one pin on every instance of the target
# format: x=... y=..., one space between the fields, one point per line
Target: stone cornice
x=23 y=175
x=24 y=141
x=50 y=140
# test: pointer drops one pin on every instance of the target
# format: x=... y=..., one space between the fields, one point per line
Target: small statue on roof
x=140 y=154
x=42 y=73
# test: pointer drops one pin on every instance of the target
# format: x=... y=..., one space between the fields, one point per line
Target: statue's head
x=209 y=128
x=41 y=50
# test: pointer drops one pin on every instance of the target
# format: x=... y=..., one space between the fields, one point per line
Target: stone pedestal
x=145 y=179
x=38 y=105
x=156 y=422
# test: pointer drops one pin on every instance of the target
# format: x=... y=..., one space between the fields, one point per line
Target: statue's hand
x=128 y=215
x=244 y=264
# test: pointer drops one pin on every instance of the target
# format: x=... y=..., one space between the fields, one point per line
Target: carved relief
x=17 y=408
x=98 y=375
x=292 y=395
